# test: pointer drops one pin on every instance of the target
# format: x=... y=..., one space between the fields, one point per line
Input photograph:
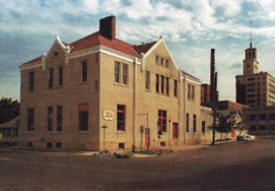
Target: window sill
x=163 y=94
x=83 y=131
x=30 y=132
x=55 y=132
x=121 y=84
x=121 y=131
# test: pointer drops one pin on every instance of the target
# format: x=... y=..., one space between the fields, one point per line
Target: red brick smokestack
x=107 y=27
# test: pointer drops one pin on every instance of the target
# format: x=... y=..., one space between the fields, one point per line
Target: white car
x=246 y=138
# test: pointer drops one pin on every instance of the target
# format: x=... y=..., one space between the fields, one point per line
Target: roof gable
x=96 y=39
x=155 y=45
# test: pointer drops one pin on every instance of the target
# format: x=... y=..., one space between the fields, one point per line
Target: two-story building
x=100 y=93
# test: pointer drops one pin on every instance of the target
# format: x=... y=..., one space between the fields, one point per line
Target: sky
x=190 y=28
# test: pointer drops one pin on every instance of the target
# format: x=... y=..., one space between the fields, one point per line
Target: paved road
x=242 y=166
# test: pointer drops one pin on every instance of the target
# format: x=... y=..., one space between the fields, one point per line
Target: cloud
x=191 y=28
x=230 y=8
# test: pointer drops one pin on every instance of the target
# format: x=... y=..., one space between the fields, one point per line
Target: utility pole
x=213 y=92
x=104 y=127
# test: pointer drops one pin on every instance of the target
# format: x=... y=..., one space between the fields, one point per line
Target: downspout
x=184 y=110
x=134 y=104
x=179 y=102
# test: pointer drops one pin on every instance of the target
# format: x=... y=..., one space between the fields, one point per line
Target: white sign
x=108 y=115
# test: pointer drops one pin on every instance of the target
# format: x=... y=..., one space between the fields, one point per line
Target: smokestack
x=212 y=75
x=107 y=27
x=216 y=87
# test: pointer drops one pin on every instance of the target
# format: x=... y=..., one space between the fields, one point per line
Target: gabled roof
x=96 y=39
x=186 y=74
x=12 y=123
x=143 y=47
x=35 y=59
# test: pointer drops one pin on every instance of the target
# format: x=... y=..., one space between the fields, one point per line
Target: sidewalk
x=184 y=148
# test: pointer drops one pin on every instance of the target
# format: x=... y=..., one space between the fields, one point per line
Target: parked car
x=246 y=138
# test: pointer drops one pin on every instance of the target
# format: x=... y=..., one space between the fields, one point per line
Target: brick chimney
x=107 y=27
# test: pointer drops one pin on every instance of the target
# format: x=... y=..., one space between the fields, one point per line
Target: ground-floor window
x=29 y=143
x=203 y=126
x=83 y=112
x=175 y=131
x=121 y=145
x=194 y=123
x=59 y=117
x=187 y=122
x=50 y=118
x=162 y=120
x=58 y=145
x=121 y=117
x=30 y=118
x=49 y=145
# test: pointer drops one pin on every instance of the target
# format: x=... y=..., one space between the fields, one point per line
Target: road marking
x=5 y=159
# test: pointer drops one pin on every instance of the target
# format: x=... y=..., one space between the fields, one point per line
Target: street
x=235 y=166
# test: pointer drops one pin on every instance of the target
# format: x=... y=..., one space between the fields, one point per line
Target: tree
x=226 y=122
x=9 y=109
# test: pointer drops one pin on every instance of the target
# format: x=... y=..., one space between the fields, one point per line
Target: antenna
x=250 y=44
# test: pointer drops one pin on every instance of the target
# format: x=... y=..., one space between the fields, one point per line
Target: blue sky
x=190 y=27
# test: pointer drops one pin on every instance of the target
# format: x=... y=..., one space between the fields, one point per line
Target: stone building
x=254 y=88
x=260 y=121
x=205 y=95
x=100 y=93
x=9 y=131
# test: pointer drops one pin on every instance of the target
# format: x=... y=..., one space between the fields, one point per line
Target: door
x=147 y=138
x=175 y=131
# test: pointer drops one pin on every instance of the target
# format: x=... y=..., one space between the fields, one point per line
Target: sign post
x=141 y=128
x=104 y=127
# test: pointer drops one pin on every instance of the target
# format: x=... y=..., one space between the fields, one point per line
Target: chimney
x=107 y=27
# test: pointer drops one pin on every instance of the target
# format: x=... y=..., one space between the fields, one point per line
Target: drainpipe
x=134 y=104
x=184 y=110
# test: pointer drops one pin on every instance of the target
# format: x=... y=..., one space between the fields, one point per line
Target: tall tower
x=250 y=63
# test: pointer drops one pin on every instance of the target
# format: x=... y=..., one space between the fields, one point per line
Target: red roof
x=97 y=39
x=34 y=60
x=143 y=47
x=186 y=74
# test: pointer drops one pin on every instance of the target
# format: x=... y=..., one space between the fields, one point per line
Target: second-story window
x=31 y=81
x=125 y=74
x=162 y=61
x=60 y=75
x=166 y=63
x=157 y=83
x=84 y=71
x=147 y=80
x=167 y=86
x=117 y=72
x=162 y=84
x=59 y=121
x=157 y=59
x=51 y=75
x=50 y=118
x=191 y=91
x=175 y=88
